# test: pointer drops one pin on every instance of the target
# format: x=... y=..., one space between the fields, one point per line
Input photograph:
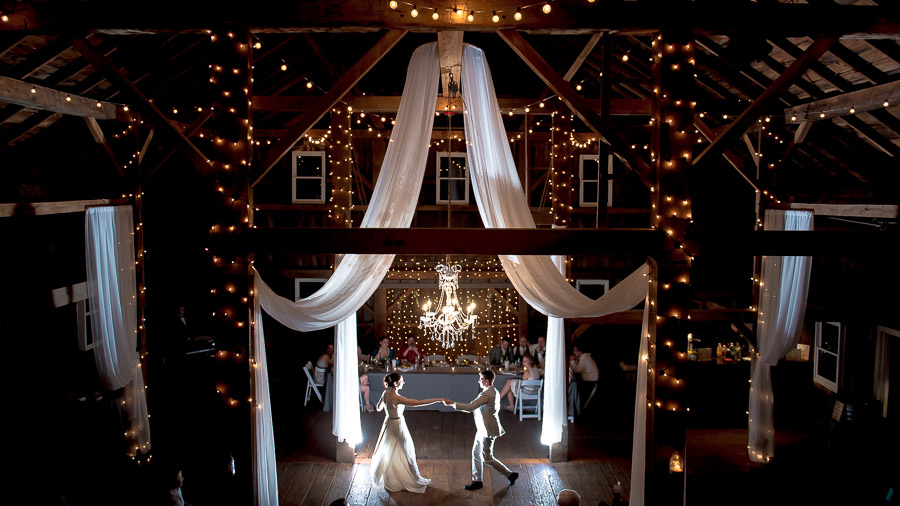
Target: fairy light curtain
x=112 y=294
x=784 y=283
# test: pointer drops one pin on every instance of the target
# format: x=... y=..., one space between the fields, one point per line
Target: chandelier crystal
x=447 y=322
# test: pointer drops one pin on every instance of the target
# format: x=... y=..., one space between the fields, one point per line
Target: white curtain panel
x=555 y=374
x=112 y=295
x=784 y=283
x=265 y=476
x=639 y=439
x=346 y=423
x=393 y=205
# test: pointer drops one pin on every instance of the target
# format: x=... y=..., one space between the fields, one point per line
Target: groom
x=488 y=429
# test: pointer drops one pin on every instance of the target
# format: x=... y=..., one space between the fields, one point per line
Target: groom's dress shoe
x=475 y=485
x=512 y=478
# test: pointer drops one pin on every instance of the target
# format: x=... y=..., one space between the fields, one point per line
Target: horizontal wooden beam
x=885 y=211
x=863 y=100
x=43 y=208
x=634 y=17
x=387 y=104
x=18 y=92
x=438 y=241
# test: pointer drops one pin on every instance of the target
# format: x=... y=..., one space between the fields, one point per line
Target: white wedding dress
x=394 y=460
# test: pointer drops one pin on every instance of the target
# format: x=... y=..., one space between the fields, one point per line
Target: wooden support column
x=672 y=138
x=562 y=168
x=340 y=163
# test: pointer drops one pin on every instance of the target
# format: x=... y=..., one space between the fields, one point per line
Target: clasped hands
x=446 y=401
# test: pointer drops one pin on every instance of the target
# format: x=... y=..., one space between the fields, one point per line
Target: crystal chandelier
x=448 y=322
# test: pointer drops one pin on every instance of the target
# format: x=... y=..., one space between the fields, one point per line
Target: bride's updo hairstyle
x=391 y=380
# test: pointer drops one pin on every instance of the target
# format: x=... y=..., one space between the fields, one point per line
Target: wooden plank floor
x=308 y=475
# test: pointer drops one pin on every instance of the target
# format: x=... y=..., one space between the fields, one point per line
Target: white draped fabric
x=112 y=295
x=639 y=439
x=555 y=374
x=265 y=476
x=784 y=282
x=393 y=205
x=346 y=423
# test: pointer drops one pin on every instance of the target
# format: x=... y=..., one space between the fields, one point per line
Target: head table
x=457 y=383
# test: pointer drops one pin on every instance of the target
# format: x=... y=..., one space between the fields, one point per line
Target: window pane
x=309 y=166
x=458 y=187
x=830 y=337
x=442 y=169
x=307 y=288
x=458 y=167
x=590 y=193
x=309 y=189
x=443 y=190
x=88 y=333
x=591 y=290
x=827 y=366
x=590 y=170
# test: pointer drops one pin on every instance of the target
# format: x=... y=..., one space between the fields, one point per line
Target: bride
x=394 y=460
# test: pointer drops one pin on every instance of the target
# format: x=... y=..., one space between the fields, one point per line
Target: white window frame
x=299 y=281
x=830 y=385
x=438 y=178
x=581 y=282
x=84 y=316
x=295 y=177
x=581 y=180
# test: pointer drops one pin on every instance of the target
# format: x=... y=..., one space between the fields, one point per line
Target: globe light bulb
x=518 y=15
x=435 y=15
x=546 y=8
x=393 y=4
x=414 y=12
x=495 y=18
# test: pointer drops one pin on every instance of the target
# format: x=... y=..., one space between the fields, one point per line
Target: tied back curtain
x=501 y=203
x=393 y=205
x=554 y=373
x=112 y=295
x=784 y=283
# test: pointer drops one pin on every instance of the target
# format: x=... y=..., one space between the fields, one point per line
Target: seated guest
x=323 y=364
x=500 y=353
x=384 y=351
x=511 y=387
x=364 y=388
x=362 y=357
x=411 y=353
x=585 y=370
x=175 y=495
x=539 y=351
x=518 y=352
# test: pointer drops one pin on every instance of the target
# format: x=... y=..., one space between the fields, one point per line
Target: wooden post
x=672 y=137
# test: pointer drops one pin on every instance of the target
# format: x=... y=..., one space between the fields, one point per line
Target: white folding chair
x=311 y=384
x=529 y=390
x=470 y=358
x=435 y=358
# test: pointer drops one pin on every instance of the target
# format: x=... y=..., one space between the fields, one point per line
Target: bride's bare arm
x=380 y=404
x=414 y=402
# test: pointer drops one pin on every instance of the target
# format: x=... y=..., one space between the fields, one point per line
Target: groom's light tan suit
x=488 y=429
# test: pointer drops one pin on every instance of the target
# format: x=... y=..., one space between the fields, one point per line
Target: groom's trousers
x=483 y=453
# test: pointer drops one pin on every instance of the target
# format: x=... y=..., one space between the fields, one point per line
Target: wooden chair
x=311 y=384
x=529 y=390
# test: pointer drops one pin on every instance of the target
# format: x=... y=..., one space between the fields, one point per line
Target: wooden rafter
x=100 y=138
x=767 y=98
x=324 y=104
x=862 y=100
x=188 y=131
x=148 y=110
x=577 y=104
x=730 y=155
x=47 y=99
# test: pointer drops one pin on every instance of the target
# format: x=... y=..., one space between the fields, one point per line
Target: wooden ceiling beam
x=577 y=104
x=847 y=210
x=861 y=100
x=387 y=104
x=100 y=139
x=762 y=103
x=638 y=17
x=324 y=104
x=149 y=111
x=47 y=99
x=736 y=161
